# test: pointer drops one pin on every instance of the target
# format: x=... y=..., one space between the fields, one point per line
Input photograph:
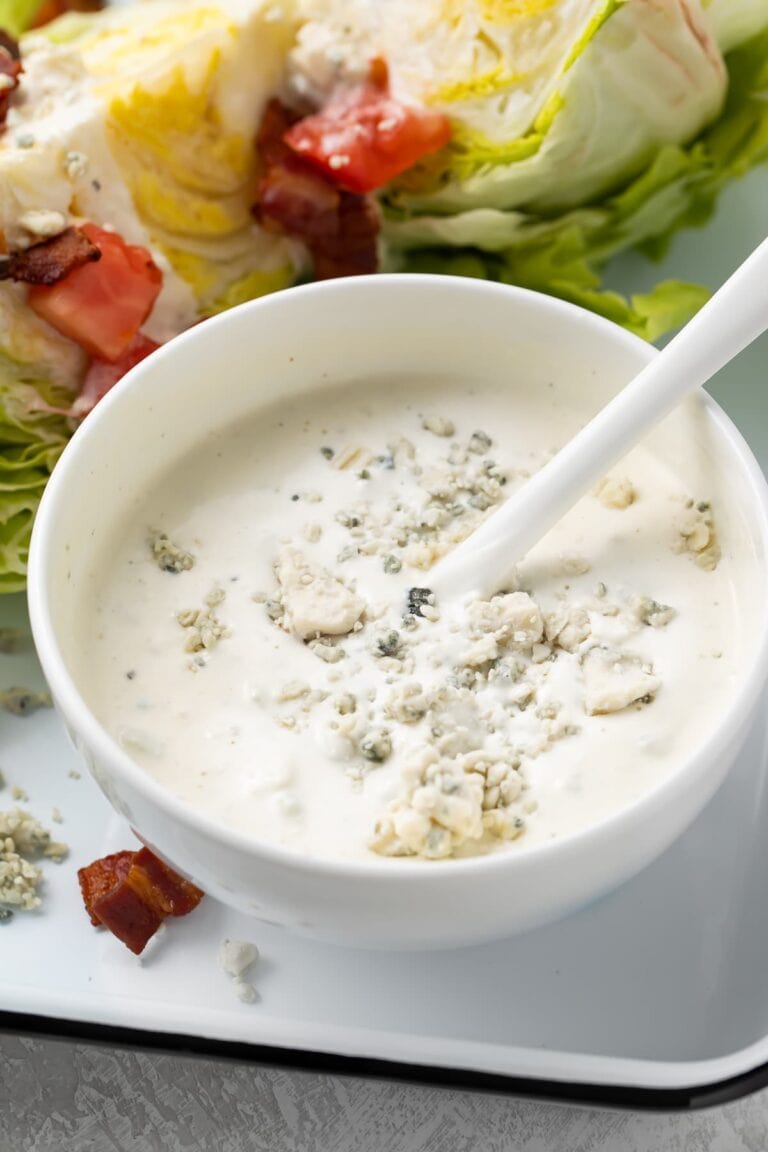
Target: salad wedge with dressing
x=162 y=160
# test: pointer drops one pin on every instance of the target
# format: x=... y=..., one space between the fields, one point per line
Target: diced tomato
x=102 y=305
x=102 y=375
x=364 y=138
x=339 y=228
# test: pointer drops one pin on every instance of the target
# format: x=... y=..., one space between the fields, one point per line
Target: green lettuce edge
x=17 y=15
x=565 y=255
x=31 y=442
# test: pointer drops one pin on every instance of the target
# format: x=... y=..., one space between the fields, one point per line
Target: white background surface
x=62 y=1096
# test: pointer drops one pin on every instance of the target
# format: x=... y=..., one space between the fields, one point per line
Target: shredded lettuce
x=564 y=254
x=39 y=371
x=31 y=442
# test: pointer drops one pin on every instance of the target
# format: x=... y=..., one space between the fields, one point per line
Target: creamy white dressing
x=234 y=709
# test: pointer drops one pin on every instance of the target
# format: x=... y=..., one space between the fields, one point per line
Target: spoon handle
x=735 y=316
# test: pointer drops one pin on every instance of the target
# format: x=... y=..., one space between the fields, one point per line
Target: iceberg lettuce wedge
x=642 y=76
x=141 y=118
x=563 y=254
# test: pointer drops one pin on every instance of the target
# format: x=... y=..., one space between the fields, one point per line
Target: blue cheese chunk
x=237 y=956
x=510 y=620
x=614 y=680
x=22 y=841
x=315 y=603
x=448 y=803
x=615 y=492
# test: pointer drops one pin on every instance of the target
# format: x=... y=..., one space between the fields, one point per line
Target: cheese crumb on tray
x=236 y=957
x=23 y=701
x=24 y=841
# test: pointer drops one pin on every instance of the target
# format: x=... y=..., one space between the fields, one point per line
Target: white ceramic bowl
x=360 y=330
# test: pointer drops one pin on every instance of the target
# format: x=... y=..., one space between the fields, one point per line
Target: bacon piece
x=131 y=893
x=339 y=228
x=50 y=260
x=129 y=916
x=297 y=201
x=100 y=877
x=10 y=70
x=102 y=375
x=378 y=73
x=275 y=122
x=349 y=248
x=171 y=893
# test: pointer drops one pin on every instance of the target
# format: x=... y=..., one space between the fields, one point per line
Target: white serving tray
x=656 y=995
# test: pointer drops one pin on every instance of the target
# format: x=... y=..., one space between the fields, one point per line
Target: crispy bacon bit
x=171 y=893
x=275 y=122
x=378 y=73
x=50 y=260
x=349 y=248
x=10 y=70
x=99 y=878
x=102 y=375
x=339 y=228
x=10 y=47
x=131 y=893
x=128 y=915
x=51 y=9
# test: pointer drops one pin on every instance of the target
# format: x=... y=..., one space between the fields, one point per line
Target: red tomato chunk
x=364 y=138
x=102 y=305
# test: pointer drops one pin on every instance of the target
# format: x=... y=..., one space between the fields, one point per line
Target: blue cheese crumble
x=23 y=841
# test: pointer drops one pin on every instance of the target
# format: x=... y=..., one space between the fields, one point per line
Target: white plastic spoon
x=735 y=316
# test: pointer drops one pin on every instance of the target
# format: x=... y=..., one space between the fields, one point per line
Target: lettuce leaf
x=564 y=254
x=17 y=15
x=31 y=442
x=640 y=76
x=39 y=370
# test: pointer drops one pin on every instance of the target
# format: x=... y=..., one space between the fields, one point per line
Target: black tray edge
x=617 y=1096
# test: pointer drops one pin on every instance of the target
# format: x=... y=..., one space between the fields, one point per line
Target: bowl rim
x=176 y=810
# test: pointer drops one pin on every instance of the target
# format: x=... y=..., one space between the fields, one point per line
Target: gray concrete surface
x=61 y=1097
